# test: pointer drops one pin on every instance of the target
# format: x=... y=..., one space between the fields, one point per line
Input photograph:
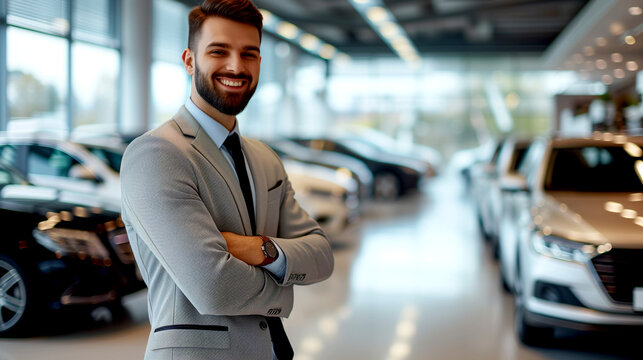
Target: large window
x=62 y=60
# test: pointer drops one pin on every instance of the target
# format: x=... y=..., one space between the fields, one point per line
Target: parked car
x=490 y=199
x=60 y=250
x=392 y=177
x=63 y=164
x=342 y=164
x=330 y=199
x=576 y=252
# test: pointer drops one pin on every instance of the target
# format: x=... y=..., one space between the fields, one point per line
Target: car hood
x=596 y=218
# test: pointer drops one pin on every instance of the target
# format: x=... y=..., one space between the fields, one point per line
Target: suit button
x=263 y=325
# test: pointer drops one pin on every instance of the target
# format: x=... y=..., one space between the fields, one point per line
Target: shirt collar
x=217 y=132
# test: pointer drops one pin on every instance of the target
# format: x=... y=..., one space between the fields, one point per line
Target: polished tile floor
x=412 y=281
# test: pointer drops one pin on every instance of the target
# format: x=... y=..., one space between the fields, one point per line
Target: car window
x=594 y=168
x=9 y=155
x=44 y=160
x=111 y=158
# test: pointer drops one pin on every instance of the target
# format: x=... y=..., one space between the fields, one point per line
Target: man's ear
x=188 y=61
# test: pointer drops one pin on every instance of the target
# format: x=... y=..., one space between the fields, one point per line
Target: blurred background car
x=53 y=161
x=490 y=199
x=392 y=177
x=578 y=252
x=60 y=250
x=341 y=163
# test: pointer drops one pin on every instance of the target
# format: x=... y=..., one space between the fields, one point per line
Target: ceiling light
x=361 y=1
x=377 y=14
x=617 y=28
x=607 y=80
x=617 y=58
x=601 y=64
x=588 y=50
x=631 y=66
x=630 y=40
x=267 y=17
x=635 y=10
x=601 y=41
x=619 y=73
x=309 y=41
x=389 y=29
x=287 y=30
x=327 y=51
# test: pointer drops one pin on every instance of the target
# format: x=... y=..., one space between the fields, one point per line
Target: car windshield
x=112 y=158
x=595 y=169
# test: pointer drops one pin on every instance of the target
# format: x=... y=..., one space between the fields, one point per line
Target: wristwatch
x=269 y=250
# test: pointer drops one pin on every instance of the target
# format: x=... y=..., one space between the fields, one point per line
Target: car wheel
x=528 y=334
x=386 y=186
x=14 y=297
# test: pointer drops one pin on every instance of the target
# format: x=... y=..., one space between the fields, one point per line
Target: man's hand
x=245 y=248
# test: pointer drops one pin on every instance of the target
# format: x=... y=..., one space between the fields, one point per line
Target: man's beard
x=229 y=104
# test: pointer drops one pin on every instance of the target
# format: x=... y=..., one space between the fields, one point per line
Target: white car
x=576 y=255
x=60 y=163
x=329 y=196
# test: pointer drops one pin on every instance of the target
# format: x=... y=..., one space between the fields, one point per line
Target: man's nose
x=235 y=64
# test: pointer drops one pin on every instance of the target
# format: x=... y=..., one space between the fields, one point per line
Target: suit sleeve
x=309 y=257
x=161 y=203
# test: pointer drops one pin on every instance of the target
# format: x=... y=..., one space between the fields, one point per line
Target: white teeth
x=231 y=83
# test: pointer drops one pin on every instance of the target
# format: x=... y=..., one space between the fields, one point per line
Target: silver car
x=575 y=256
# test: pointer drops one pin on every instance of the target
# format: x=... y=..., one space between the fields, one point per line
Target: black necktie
x=233 y=145
x=280 y=342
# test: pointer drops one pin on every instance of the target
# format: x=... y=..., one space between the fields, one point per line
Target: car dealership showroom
x=475 y=165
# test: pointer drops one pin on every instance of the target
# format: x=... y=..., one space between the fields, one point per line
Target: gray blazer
x=178 y=194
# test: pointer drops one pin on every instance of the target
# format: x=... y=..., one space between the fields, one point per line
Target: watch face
x=270 y=249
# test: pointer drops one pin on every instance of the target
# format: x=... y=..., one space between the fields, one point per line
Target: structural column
x=136 y=53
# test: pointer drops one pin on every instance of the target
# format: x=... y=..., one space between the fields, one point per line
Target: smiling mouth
x=231 y=83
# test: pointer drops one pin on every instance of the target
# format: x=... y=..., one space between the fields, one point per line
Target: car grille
x=620 y=271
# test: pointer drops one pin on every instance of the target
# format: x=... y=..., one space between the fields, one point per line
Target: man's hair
x=243 y=11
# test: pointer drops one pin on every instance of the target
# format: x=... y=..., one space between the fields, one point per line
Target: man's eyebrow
x=227 y=46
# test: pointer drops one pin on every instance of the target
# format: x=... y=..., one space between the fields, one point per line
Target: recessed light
x=630 y=40
x=619 y=73
x=588 y=50
x=631 y=66
x=607 y=80
x=617 y=28
x=601 y=64
x=635 y=10
x=617 y=58
x=601 y=41
x=377 y=14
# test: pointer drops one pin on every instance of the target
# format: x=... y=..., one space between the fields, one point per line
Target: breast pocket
x=274 y=202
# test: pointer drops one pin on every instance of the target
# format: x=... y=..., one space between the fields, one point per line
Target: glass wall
x=62 y=61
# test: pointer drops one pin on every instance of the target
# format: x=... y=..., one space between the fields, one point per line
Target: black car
x=392 y=177
x=59 y=250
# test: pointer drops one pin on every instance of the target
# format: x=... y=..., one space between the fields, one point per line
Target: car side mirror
x=514 y=183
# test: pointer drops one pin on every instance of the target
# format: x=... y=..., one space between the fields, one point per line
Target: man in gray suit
x=211 y=216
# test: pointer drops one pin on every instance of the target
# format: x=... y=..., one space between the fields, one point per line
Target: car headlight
x=568 y=250
x=71 y=242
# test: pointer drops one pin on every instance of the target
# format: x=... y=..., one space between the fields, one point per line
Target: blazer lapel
x=259 y=179
x=206 y=147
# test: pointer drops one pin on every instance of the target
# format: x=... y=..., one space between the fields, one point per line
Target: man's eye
x=217 y=52
x=250 y=55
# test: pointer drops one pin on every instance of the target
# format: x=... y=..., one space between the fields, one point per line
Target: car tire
x=527 y=333
x=17 y=302
x=386 y=186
